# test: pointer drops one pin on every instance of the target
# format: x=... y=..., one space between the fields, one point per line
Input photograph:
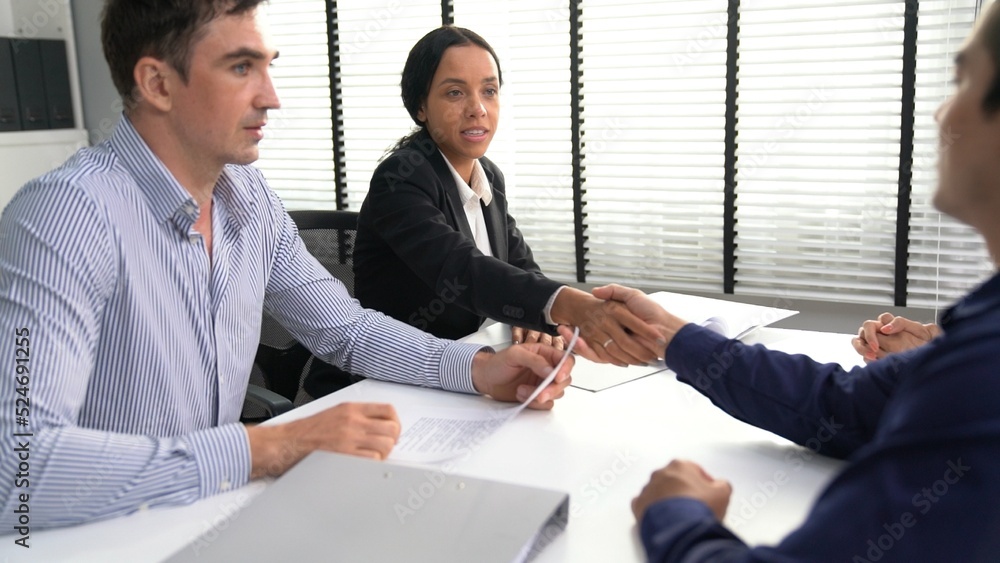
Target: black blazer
x=415 y=258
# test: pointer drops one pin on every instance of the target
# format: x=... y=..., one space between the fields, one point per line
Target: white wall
x=102 y=106
x=26 y=154
x=6 y=19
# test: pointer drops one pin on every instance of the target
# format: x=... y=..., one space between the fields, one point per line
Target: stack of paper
x=435 y=434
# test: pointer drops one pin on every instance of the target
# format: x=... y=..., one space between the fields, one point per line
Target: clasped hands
x=889 y=334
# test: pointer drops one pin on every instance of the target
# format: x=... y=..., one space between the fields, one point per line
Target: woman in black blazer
x=436 y=246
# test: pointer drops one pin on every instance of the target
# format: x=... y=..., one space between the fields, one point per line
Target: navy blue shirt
x=920 y=431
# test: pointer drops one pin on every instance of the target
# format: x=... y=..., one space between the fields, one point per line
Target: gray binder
x=30 y=84
x=58 y=98
x=333 y=507
x=10 y=114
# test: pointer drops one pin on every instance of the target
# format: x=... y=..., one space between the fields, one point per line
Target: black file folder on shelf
x=30 y=80
x=35 y=85
x=333 y=507
x=10 y=114
x=59 y=100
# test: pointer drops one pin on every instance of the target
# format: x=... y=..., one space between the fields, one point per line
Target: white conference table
x=599 y=447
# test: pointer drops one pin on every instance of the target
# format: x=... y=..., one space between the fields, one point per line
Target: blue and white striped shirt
x=140 y=347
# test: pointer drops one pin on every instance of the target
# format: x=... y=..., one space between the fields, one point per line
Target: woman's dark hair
x=422 y=63
x=990 y=34
x=164 y=29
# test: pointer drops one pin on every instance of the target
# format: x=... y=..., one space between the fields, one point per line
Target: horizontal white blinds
x=946 y=258
x=654 y=92
x=533 y=144
x=296 y=155
x=375 y=38
x=818 y=137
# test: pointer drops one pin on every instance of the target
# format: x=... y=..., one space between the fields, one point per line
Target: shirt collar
x=480 y=184
x=165 y=196
x=984 y=298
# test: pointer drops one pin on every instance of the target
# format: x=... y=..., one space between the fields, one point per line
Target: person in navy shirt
x=920 y=429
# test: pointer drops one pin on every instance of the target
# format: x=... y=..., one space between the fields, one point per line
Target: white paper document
x=728 y=318
x=434 y=435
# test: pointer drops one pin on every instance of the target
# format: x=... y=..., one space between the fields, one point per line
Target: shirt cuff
x=684 y=529
x=222 y=455
x=692 y=347
x=456 y=366
x=548 y=306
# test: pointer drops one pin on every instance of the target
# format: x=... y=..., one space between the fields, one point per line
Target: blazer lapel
x=453 y=201
x=495 y=226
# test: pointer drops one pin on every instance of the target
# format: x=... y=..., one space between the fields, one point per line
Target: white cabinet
x=27 y=154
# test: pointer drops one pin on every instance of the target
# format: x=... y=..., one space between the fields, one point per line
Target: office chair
x=282 y=365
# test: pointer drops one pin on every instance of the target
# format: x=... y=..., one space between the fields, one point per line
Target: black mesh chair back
x=329 y=236
x=281 y=361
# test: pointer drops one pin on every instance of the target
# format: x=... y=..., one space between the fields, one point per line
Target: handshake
x=618 y=325
x=622 y=326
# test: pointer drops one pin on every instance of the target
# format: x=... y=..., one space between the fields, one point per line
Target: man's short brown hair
x=989 y=34
x=163 y=29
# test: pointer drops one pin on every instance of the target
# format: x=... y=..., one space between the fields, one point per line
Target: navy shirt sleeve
x=921 y=431
x=788 y=394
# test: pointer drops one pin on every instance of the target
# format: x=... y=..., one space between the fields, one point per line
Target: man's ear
x=154 y=82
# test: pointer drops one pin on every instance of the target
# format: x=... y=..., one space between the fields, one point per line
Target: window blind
x=818 y=133
x=533 y=142
x=296 y=154
x=946 y=258
x=375 y=38
x=654 y=92
x=818 y=144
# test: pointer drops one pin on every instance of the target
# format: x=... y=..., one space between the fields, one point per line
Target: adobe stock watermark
x=924 y=162
x=425 y=315
x=597 y=139
x=923 y=502
x=795 y=459
x=106 y=127
x=602 y=482
x=891 y=27
x=724 y=358
x=358 y=39
x=89 y=488
x=558 y=16
x=787 y=127
x=472 y=438
x=228 y=513
x=30 y=26
x=714 y=30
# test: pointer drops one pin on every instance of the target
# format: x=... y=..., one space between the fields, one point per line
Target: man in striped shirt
x=133 y=280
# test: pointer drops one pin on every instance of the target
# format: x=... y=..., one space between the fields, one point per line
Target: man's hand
x=663 y=324
x=682 y=478
x=513 y=374
x=524 y=336
x=361 y=429
x=890 y=334
x=614 y=333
